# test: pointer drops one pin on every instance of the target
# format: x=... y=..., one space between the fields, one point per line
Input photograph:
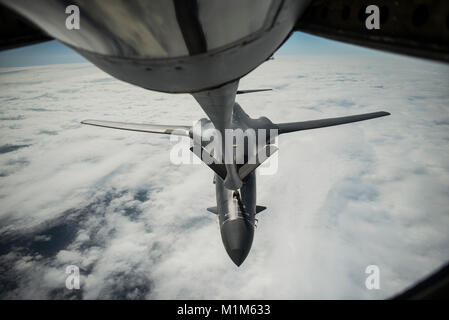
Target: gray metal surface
x=321 y=123
x=236 y=214
x=170 y=45
x=142 y=127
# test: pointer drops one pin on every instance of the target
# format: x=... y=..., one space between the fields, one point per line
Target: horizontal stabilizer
x=213 y=210
x=150 y=128
x=252 y=91
x=218 y=168
x=260 y=209
x=314 y=124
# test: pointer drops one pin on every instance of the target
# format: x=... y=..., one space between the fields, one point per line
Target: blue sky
x=53 y=52
x=303 y=43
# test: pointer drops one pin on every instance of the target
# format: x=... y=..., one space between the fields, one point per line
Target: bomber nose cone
x=237 y=256
x=237 y=236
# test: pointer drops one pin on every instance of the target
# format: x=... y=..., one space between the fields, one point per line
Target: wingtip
x=382 y=113
x=88 y=121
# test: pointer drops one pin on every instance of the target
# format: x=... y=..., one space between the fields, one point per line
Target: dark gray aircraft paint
x=201 y=47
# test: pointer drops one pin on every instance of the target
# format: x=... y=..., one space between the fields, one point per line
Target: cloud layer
x=111 y=203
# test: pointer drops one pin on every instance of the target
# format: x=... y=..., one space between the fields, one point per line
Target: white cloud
x=110 y=201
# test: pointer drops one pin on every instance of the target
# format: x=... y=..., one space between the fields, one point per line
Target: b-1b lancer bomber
x=235 y=181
